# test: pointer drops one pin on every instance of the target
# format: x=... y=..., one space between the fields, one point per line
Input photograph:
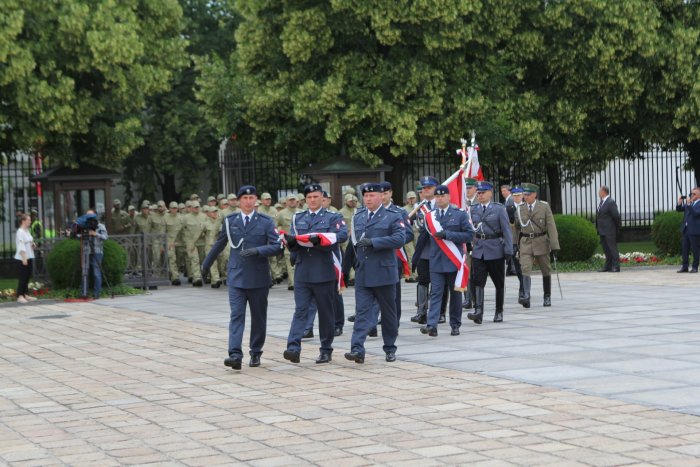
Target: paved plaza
x=610 y=375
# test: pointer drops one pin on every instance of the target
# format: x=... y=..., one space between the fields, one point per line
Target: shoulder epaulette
x=543 y=202
x=264 y=216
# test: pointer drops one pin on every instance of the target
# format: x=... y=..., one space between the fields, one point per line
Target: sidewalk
x=92 y=384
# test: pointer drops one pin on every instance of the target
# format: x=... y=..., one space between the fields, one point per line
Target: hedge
x=578 y=238
x=665 y=231
x=63 y=264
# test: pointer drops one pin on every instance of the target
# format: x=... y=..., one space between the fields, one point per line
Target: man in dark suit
x=607 y=224
x=313 y=241
x=253 y=238
x=690 y=229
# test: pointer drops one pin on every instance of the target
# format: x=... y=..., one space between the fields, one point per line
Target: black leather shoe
x=197 y=283
x=324 y=358
x=351 y=283
x=683 y=270
x=410 y=280
x=254 y=360
x=390 y=357
x=291 y=355
x=455 y=331
x=373 y=332
x=416 y=318
x=498 y=317
x=603 y=270
x=233 y=362
x=441 y=319
x=693 y=270
x=355 y=357
x=216 y=285
x=308 y=334
x=476 y=317
x=429 y=330
x=525 y=303
x=547 y=301
x=467 y=305
x=291 y=287
x=351 y=318
x=615 y=270
x=338 y=332
x=176 y=282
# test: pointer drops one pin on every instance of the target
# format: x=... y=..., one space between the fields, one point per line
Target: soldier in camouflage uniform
x=411 y=246
x=173 y=229
x=121 y=222
x=218 y=268
x=276 y=266
x=194 y=229
x=283 y=221
x=156 y=225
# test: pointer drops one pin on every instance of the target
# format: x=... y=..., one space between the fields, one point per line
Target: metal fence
x=147 y=259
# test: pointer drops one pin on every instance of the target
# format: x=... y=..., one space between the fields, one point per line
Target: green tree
x=76 y=74
x=180 y=145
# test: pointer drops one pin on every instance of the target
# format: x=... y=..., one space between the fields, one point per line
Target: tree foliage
x=76 y=74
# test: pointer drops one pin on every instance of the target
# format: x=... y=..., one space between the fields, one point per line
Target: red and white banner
x=449 y=248
x=403 y=258
x=458 y=189
x=327 y=239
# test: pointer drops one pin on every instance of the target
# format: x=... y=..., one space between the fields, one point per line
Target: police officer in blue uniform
x=377 y=233
x=253 y=238
x=493 y=245
x=314 y=272
x=423 y=259
x=443 y=272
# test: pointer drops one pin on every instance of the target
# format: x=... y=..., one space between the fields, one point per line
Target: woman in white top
x=25 y=254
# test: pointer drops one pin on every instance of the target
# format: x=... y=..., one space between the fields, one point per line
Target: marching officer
x=377 y=233
x=447 y=224
x=173 y=229
x=493 y=245
x=194 y=228
x=422 y=263
x=538 y=238
x=283 y=221
x=252 y=238
x=470 y=184
x=315 y=274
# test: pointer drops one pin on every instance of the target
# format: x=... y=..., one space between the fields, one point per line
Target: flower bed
x=35 y=289
x=636 y=257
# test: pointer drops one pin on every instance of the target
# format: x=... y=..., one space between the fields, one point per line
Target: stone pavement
x=92 y=384
x=634 y=336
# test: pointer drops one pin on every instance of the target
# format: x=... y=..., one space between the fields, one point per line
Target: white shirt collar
x=249 y=216
x=605 y=199
x=316 y=211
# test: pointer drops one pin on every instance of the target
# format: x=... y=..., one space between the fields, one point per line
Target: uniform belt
x=488 y=236
x=531 y=235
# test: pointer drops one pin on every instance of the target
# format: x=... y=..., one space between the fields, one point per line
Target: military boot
x=478 y=313
x=547 y=286
x=521 y=291
x=500 y=296
x=467 y=305
x=527 y=282
x=422 y=313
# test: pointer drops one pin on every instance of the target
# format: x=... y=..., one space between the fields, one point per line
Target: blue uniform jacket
x=408 y=231
x=492 y=223
x=425 y=251
x=456 y=225
x=254 y=271
x=315 y=264
x=691 y=217
x=377 y=266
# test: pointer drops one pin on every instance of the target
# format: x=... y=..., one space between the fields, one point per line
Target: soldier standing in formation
x=283 y=222
x=121 y=222
x=517 y=196
x=156 y=225
x=194 y=231
x=252 y=238
x=377 y=233
x=218 y=270
x=422 y=261
x=493 y=245
x=173 y=229
x=538 y=238
x=312 y=240
x=410 y=247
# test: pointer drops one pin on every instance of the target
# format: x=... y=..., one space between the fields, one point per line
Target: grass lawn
x=8 y=284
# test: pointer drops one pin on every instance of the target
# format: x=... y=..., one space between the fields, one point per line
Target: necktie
x=371 y=215
x=245 y=221
x=483 y=208
x=442 y=213
x=600 y=204
x=313 y=215
x=529 y=207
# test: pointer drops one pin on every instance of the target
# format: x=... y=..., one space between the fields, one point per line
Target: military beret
x=484 y=186
x=132 y=207
x=181 y=206
x=516 y=191
x=442 y=190
x=386 y=186
x=530 y=188
x=116 y=201
x=145 y=204
x=173 y=204
x=211 y=198
x=194 y=204
x=246 y=190
x=220 y=196
x=349 y=197
x=291 y=196
x=411 y=194
x=312 y=187
x=266 y=196
x=231 y=196
x=161 y=203
x=429 y=181
x=470 y=182
x=371 y=188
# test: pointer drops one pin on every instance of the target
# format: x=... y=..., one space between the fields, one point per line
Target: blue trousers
x=366 y=316
x=439 y=283
x=338 y=311
x=690 y=243
x=95 y=263
x=322 y=293
x=257 y=299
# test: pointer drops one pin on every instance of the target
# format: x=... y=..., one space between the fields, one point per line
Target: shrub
x=665 y=231
x=577 y=238
x=63 y=264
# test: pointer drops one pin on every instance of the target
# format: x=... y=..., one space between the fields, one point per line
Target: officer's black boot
x=527 y=282
x=422 y=312
x=500 y=296
x=521 y=290
x=478 y=313
x=467 y=305
x=547 y=286
x=443 y=305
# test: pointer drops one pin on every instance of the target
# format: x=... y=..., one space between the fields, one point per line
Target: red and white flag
x=327 y=239
x=448 y=247
x=403 y=258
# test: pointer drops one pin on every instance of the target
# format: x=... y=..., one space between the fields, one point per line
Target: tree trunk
x=694 y=158
x=396 y=177
x=169 y=189
x=554 y=180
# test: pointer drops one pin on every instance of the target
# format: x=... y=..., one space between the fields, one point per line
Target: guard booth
x=334 y=175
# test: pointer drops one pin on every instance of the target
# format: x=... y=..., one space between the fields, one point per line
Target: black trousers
x=612 y=255
x=493 y=268
x=24 y=273
x=690 y=243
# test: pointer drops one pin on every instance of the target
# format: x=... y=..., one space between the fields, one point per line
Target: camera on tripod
x=83 y=224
